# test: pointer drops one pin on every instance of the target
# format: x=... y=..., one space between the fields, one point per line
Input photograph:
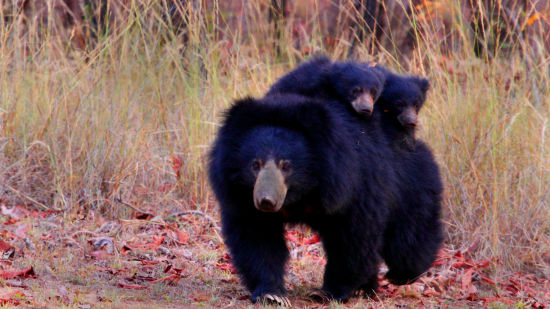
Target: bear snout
x=408 y=118
x=270 y=188
x=266 y=204
x=364 y=104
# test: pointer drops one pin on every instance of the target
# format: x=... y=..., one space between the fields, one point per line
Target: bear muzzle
x=408 y=118
x=270 y=188
x=364 y=104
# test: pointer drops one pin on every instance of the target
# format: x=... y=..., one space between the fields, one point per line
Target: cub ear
x=423 y=83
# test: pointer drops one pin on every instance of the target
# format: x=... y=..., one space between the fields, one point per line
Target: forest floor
x=179 y=260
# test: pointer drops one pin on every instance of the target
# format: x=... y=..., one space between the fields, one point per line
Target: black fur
x=414 y=233
x=400 y=92
x=321 y=78
x=365 y=199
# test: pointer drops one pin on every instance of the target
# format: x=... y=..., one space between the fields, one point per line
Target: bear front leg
x=259 y=253
x=352 y=259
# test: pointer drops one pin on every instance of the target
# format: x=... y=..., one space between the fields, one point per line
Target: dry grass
x=80 y=129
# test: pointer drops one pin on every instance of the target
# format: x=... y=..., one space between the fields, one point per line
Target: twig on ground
x=31 y=199
x=199 y=213
x=118 y=200
x=83 y=232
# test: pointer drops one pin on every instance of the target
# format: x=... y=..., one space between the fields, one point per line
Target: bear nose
x=365 y=111
x=407 y=118
x=267 y=203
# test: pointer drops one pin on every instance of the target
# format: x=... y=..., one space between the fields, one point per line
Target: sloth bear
x=293 y=159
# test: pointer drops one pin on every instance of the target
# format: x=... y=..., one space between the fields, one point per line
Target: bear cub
x=398 y=106
x=350 y=83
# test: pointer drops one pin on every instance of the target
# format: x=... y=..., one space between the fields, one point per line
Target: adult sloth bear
x=292 y=159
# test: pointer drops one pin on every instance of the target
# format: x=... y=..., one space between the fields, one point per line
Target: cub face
x=403 y=97
x=359 y=85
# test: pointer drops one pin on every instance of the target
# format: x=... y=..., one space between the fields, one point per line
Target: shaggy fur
x=341 y=81
x=400 y=93
x=347 y=183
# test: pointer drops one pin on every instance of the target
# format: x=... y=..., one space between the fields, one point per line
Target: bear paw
x=320 y=296
x=272 y=299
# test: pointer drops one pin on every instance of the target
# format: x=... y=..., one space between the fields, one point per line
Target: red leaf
x=25 y=273
x=312 y=240
x=182 y=236
x=226 y=267
x=488 y=280
x=483 y=264
x=430 y=292
x=11 y=221
x=291 y=236
x=157 y=241
x=172 y=279
x=124 y=285
x=4 y=246
x=466 y=282
x=461 y=264
x=176 y=165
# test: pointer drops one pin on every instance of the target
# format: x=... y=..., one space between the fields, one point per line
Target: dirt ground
x=179 y=261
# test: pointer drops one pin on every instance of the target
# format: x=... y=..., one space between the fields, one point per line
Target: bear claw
x=270 y=299
x=320 y=296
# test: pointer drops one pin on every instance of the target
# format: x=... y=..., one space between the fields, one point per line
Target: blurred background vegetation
x=119 y=100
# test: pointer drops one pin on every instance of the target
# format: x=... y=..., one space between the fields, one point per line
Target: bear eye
x=373 y=92
x=356 y=91
x=285 y=166
x=256 y=165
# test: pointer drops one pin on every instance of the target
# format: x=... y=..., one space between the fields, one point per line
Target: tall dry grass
x=83 y=128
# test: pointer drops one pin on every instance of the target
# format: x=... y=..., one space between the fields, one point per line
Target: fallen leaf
x=4 y=246
x=25 y=273
x=128 y=286
x=157 y=241
x=291 y=236
x=226 y=267
x=312 y=240
x=483 y=264
x=410 y=292
x=182 y=236
x=488 y=280
x=467 y=285
x=172 y=279
x=431 y=292
x=176 y=165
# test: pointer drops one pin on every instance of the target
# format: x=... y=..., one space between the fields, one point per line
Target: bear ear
x=423 y=83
